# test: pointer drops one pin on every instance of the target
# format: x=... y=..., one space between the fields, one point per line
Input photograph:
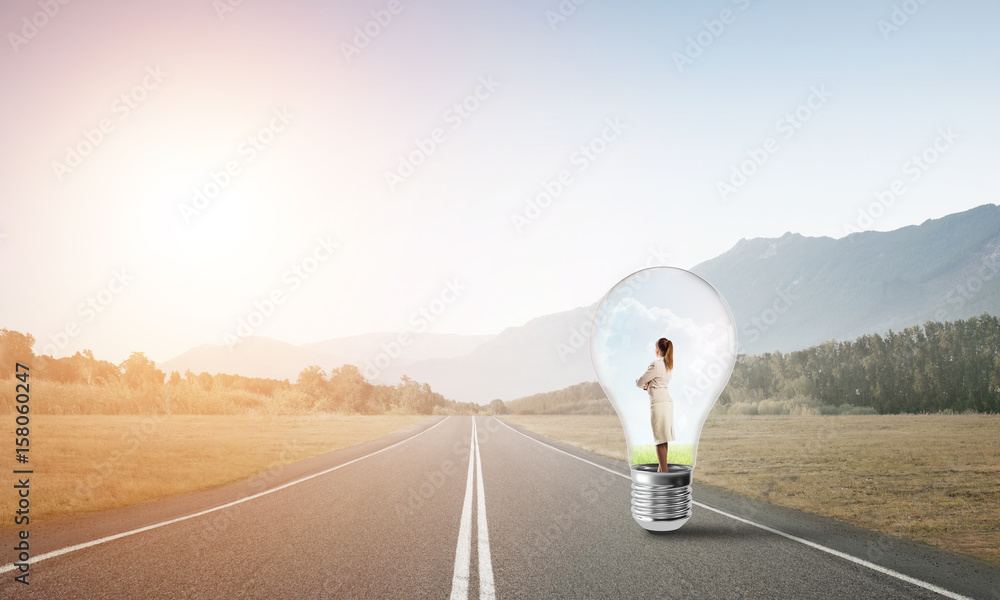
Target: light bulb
x=653 y=303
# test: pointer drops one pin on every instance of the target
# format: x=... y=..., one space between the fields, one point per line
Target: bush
x=742 y=408
x=796 y=405
x=850 y=409
x=802 y=410
x=294 y=401
x=772 y=407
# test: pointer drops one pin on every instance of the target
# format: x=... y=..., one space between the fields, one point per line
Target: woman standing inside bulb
x=661 y=405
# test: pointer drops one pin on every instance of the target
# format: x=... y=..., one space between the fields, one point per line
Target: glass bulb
x=654 y=303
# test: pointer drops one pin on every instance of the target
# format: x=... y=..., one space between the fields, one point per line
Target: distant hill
x=265 y=357
x=865 y=282
x=423 y=346
x=786 y=294
x=587 y=398
x=254 y=357
x=545 y=353
x=829 y=288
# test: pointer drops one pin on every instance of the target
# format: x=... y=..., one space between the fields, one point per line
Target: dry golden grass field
x=929 y=478
x=91 y=462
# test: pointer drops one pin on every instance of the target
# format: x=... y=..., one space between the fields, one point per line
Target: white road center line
x=845 y=556
x=463 y=553
x=67 y=549
x=487 y=590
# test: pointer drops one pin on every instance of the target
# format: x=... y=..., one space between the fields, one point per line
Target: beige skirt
x=662 y=418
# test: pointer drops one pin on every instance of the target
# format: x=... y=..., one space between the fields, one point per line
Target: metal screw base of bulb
x=661 y=501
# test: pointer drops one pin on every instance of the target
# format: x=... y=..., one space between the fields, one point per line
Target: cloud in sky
x=678 y=305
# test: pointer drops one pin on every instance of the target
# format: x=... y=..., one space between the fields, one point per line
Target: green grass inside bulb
x=680 y=454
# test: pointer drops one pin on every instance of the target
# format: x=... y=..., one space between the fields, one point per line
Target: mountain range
x=786 y=294
x=942 y=270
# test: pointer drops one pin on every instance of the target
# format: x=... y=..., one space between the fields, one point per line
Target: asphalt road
x=448 y=509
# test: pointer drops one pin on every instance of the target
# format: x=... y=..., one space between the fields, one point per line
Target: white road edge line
x=859 y=561
x=463 y=551
x=487 y=589
x=68 y=549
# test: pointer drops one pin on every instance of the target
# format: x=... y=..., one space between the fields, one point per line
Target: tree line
x=585 y=398
x=940 y=366
x=342 y=390
x=346 y=390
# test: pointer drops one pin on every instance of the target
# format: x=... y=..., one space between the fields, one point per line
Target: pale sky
x=158 y=99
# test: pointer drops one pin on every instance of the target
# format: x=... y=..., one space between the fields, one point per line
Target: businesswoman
x=661 y=405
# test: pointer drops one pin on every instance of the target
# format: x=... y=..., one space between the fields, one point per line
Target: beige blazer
x=658 y=376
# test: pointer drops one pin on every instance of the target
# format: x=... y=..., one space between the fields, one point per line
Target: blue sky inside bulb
x=677 y=304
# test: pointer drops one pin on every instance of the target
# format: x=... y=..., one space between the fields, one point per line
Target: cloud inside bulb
x=678 y=305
